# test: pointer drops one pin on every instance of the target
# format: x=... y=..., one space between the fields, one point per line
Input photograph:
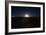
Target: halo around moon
x=27 y=15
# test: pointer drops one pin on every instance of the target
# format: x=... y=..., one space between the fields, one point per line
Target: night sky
x=21 y=11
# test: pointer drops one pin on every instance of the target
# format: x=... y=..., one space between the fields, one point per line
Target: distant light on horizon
x=26 y=15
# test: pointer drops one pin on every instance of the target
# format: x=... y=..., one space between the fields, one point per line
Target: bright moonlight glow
x=26 y=15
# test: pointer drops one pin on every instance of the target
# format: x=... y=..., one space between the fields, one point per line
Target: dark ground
x=25 y=22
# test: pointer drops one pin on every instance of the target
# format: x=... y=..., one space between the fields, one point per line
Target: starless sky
x=21 y=11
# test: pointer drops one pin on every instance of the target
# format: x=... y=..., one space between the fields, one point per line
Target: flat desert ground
x=25 y=22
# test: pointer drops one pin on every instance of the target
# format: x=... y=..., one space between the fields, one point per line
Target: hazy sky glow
x=21 y=11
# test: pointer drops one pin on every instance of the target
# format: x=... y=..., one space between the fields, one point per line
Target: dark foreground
x=25 y=22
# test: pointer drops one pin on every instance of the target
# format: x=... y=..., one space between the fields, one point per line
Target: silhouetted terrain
x=25 y=22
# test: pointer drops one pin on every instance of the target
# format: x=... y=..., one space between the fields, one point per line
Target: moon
x=26 y=15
